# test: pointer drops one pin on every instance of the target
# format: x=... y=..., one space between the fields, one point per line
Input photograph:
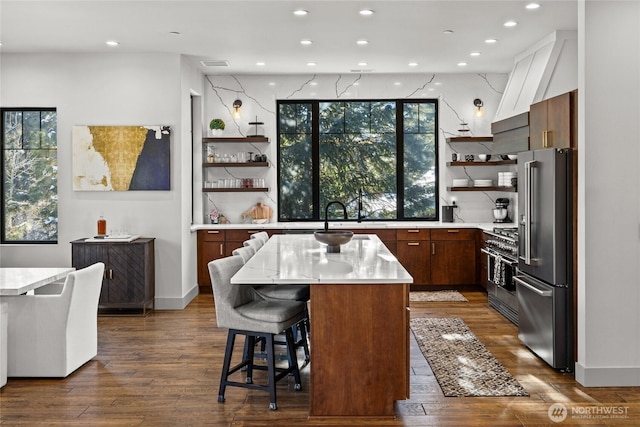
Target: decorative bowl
x=333 y=239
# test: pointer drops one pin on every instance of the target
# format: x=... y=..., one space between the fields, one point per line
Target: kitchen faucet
x=326 y=213
x=359 y=206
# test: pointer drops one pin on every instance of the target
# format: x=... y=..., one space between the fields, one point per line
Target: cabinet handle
x=110 y=274
x=221 y=251
x=413 y=231
x=545 y=139
x=433 y=248
x=213 y=232
x=453 y=231
x=413 y=244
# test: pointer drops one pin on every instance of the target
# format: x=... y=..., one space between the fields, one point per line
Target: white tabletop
x=301 y=259
x=16 y=281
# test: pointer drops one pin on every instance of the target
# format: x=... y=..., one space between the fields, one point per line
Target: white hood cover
x=547 y=69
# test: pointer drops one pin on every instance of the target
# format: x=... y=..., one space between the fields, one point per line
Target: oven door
x=500 y=270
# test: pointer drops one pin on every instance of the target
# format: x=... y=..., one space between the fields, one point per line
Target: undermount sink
x=333 y=239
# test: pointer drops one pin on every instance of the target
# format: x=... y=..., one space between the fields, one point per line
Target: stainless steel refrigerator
x=545 y=238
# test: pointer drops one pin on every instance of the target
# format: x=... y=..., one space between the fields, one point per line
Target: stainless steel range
x=501 y=248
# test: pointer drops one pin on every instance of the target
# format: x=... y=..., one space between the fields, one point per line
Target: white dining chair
x=52 y=335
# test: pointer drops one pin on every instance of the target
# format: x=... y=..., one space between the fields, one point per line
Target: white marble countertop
x=318 y=225
x=16 y=281
x=301 y=259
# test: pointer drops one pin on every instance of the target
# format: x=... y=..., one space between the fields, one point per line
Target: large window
x=29 y=176
x=333 y=150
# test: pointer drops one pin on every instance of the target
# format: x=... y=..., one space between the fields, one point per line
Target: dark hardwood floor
x=163 y=370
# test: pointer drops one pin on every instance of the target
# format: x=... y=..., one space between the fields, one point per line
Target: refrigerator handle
x=532 y=288
x=526 y=220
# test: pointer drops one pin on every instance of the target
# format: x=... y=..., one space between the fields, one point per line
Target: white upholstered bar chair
x=238 y=310
x=244 y=252
x=261 y=235
x=253 y=243
x=53 y=334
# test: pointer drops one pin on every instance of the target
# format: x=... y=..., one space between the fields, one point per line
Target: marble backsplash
x=259 y=94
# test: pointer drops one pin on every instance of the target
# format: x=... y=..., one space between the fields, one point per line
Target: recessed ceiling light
x=474 y=54
x=306 y=42
x=491 y=41
x=362 y=64
x=532 y=6
x=300 y=12
x=272 y=83
x=311 y=64
x=397 y=84
x=510 y=24
x=112 y=43
x=366 y=12
x=314 y=83
x=260 y=64
x=462 y=64
x=447 y=32
x=413 y=64
x=362 y=42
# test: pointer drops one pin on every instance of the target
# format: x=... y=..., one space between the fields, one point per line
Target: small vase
x=214 y=221
x=216 y=132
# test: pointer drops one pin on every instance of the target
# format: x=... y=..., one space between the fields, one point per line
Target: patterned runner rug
x=437 y=296
x=462 y=365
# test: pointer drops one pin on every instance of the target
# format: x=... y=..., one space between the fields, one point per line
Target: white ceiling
x=245 y=32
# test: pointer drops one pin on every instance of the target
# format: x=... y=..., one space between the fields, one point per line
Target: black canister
x=447 y=213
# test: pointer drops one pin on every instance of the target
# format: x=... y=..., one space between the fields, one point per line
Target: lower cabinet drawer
x=453 y=234
x=212 y=235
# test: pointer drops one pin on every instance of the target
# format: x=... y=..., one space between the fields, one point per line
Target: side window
x=29 y=175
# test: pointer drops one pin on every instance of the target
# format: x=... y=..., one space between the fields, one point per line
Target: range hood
x=547 y=69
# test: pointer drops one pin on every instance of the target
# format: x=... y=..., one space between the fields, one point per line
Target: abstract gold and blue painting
x=121 y=158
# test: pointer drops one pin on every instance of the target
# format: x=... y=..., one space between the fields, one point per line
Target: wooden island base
x=360 y=354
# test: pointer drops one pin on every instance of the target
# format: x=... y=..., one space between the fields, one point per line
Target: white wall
x=111 y=89
x=609 y=200
x=259 y=94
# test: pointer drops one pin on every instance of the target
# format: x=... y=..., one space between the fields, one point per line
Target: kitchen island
x=359 y=319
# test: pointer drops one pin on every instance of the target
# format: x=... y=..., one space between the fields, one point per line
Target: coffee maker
x=501 y=211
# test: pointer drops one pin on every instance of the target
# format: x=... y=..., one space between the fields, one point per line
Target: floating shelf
x=505 y=189
x=470 y=139
x=236 y=139
x=489 y=163
x=235 y=190
x=236 y=165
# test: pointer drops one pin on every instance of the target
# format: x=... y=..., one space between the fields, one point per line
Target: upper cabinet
x=552 y=122
x=511 y=135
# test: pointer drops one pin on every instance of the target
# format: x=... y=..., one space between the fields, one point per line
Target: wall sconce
x=236 y=108
x=479 y=104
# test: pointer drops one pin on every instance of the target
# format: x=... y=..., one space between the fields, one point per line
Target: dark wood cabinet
x=433 y=256
x=552 y=122
x=129 y=278
x=211 y=246
x=453 y=257
x=413 y=252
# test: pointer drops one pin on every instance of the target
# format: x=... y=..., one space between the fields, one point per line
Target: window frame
x=3 y=213
x=317 y=211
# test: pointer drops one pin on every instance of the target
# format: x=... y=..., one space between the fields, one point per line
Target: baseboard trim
x=176 y=303
x=608 y=377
